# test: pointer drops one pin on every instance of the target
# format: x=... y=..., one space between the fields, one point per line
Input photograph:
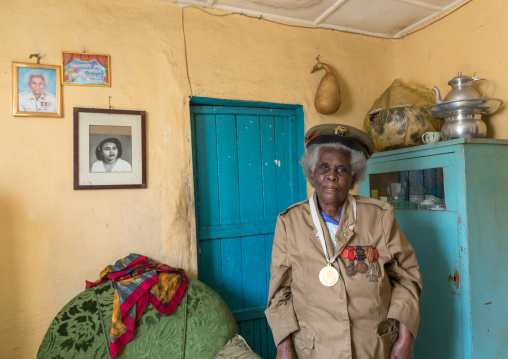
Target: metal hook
x=38 y=56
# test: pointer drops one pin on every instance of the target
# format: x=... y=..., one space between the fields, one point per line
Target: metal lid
x=459 y=79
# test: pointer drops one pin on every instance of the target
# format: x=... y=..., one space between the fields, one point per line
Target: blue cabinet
x=462 y=247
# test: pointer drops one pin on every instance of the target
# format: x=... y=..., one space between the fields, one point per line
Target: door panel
x=246 y=172
x=434 y=237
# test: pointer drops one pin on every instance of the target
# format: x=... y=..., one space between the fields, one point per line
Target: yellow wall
x=472 y=39
x=52 y=237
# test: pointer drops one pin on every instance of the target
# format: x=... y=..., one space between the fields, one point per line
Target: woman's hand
x=285 y=349
x=403 y=347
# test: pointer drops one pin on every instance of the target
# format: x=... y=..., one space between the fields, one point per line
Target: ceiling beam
x=327 y=13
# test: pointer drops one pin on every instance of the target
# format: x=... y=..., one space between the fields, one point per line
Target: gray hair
x=31 y=73
x=358 y=160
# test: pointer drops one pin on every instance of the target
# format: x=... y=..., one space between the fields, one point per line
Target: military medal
x=329 y=276
x=361 y=267
x=351 y=269
x=372 y=272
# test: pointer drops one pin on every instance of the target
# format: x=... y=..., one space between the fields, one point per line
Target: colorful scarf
x=138 y=281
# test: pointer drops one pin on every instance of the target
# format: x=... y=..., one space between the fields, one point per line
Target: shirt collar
x=329 y=219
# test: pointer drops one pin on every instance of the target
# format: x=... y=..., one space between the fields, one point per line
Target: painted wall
x=53 y=238
x=471 y=40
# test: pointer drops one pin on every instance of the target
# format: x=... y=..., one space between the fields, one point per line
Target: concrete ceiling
x=380 y=18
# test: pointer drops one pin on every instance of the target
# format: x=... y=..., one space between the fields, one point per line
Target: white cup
x=431 y=137
x=426 y=203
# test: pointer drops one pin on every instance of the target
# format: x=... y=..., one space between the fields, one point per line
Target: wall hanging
x=84 y=69
x=109 y=149
x=36 y=90
x=327 y=99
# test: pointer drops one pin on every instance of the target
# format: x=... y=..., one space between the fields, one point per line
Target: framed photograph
x=84 y=69
x=109 y=149
x=36 y=90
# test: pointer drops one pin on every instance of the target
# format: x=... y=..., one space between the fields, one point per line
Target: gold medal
x=329 y=276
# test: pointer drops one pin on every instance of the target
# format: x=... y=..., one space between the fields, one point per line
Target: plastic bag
x=397 y=118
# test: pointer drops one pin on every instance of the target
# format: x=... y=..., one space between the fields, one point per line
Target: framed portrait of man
x=36 y=90
x=109 y=149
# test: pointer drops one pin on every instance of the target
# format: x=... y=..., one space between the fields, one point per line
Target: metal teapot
x=461 y=89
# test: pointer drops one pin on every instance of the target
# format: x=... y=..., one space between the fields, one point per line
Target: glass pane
x=420 y=189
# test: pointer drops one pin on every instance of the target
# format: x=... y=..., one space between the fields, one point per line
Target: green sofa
x=201 y=327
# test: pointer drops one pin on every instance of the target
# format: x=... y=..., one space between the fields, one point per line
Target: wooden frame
x=85 y=69
x=109 y=149
x=36 y=90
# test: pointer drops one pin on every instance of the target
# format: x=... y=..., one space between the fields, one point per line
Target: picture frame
x=109 y=149
x=36 y=90
x=85 y=69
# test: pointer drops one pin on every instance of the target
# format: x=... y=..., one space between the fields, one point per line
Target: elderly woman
x=108 y=154
x=344 y=280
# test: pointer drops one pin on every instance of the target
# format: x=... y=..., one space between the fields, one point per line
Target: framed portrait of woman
x=109 y=149
x=36 y=90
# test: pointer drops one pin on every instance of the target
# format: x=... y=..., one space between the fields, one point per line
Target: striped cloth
x=138 y=281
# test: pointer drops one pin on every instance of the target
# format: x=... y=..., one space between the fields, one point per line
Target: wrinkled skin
x=403 y=347
x=332 y=179
x=285 y=349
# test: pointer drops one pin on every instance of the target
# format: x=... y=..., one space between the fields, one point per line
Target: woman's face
x=332 y=177
x=109 y=152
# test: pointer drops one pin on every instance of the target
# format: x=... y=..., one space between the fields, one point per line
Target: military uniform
x=45 y=103
x=358 y=316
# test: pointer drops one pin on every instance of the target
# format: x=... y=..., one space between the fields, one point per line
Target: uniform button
x=345 y=323
x=341 y=295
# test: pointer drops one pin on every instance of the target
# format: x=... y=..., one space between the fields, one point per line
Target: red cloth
x=139 y=281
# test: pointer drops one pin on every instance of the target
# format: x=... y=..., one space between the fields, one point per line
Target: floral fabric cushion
x=198 y=328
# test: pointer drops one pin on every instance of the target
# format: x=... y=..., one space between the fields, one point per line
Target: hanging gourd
x=327 y=99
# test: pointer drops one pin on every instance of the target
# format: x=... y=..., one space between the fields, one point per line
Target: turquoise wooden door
x=246 y=171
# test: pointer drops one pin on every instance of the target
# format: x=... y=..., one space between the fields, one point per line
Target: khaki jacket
x=349 y=319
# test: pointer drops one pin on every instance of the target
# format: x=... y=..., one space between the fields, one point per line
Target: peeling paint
x=455 y=278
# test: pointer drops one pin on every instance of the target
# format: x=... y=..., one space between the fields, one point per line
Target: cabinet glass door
x=426 y=212
x=417 y=189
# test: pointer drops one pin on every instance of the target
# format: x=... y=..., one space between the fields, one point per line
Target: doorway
x=246 y=171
